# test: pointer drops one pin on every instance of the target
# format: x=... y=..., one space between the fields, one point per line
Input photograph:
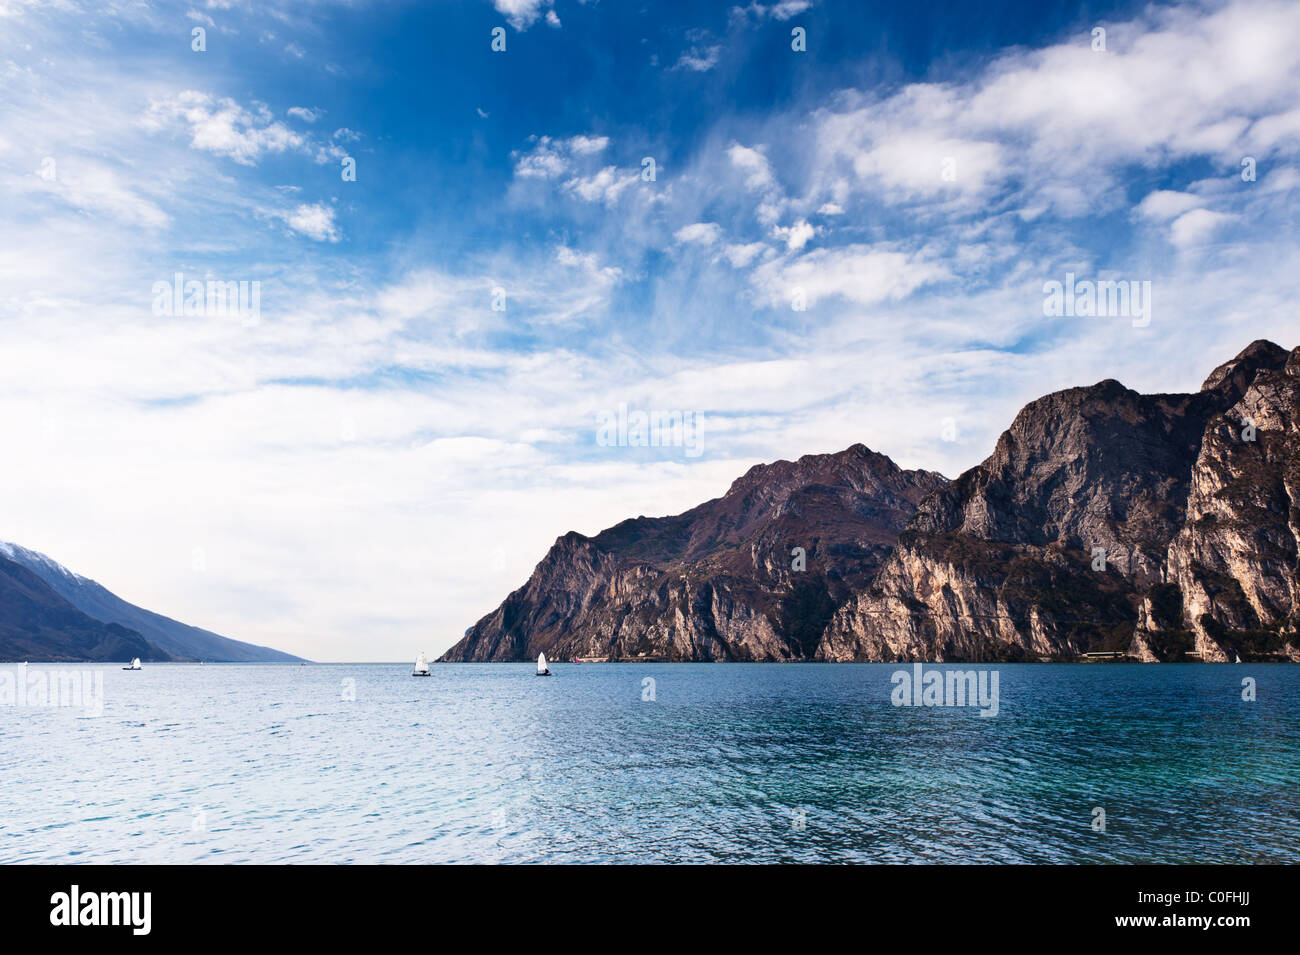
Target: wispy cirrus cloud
x=699 y=59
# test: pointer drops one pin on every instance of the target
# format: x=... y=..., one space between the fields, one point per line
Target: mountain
x=1233 y=565
x=719 y=582
x=176 y=639
x=1165 y=527
x=37 y=624
x=1105 y=520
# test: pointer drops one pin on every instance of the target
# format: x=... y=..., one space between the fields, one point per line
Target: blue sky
x=382 y=456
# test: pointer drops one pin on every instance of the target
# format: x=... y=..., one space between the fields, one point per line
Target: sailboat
x=542 y=668
x=135 y=665
x=421 y=665
x=1238 y=660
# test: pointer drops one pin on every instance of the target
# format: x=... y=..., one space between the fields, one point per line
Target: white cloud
x=1165 y=204
x=604 y=186
x=1059 y=124
x=1278 y=131
x=752 y=162
x=1196 y=226
x=863 y=275
x=741 y=255
x=573 y=160
x=699 y=233
x=521 y=14
x=305 y=113
x=314 y=220
x=781 y=10
x=897 y=159
x=1282 y=179
x=795 y=236
x=699 y=59
x=550 y=158
x=588 y=261
x=543 y=162
x=585 y=145
x=224 y=127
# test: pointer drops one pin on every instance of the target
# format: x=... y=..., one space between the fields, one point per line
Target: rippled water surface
x=488 y=763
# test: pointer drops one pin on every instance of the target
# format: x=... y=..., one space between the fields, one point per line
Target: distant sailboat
x=542 y=668
x=135 y=665
x=1238 y=660
x=421 y=665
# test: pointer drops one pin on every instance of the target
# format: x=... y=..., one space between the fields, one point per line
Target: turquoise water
x=728 y=762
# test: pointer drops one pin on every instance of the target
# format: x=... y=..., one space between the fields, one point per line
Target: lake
x=344 y=763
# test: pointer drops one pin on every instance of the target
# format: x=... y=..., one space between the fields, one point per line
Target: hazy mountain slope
x=39 y=625
x=177 y=639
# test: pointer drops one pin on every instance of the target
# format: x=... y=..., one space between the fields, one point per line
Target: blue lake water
x=728 y=762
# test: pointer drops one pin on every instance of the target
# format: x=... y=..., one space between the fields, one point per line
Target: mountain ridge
x=1073 y=536
x=716 y=582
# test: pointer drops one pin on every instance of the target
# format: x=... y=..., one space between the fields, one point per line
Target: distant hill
x=37 y=624
x=177 y=640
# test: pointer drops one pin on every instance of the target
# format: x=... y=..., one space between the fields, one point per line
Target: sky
x=798 y=224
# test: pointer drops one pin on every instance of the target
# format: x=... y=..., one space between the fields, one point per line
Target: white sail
x=421 y=663
x=135 y=663
x=541 y=663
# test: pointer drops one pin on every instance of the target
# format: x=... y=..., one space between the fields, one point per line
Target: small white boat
x=1238 y=660
x=135 y=665
x=542 y=668
x=421 y=665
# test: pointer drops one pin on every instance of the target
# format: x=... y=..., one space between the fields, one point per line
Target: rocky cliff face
x=719 y=582
x=1103 y=520
x=1232 y=583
